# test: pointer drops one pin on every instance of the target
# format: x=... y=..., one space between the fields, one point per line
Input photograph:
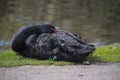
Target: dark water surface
x=96 y=21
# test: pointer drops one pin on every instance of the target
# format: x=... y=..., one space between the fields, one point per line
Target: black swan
x=60 y=45
x=18 y=42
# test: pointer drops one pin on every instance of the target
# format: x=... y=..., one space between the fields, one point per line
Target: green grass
x=106 y=54
x=102 y=54
x=10 y=59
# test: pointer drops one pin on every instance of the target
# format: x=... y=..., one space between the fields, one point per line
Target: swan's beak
x=54 y=30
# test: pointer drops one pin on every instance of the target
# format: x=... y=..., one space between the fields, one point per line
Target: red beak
x=54 y=30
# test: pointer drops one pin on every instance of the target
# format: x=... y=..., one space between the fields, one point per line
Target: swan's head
x=48 y=28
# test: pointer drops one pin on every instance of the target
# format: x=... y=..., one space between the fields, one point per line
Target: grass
x=10 y=59
x=106 y=54
x=102 y=54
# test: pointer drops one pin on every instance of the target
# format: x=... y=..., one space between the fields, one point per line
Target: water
x=97 y=21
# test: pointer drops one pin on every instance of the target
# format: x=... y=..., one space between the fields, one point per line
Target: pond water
x=97 y=21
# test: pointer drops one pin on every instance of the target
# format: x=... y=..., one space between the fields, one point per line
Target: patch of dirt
x=98 y=71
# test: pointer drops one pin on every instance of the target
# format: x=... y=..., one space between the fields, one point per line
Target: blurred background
x=97 y=21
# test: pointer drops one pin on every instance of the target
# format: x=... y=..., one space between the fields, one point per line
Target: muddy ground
x=97 y=71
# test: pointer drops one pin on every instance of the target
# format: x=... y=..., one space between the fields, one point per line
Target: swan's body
x=43 y=45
